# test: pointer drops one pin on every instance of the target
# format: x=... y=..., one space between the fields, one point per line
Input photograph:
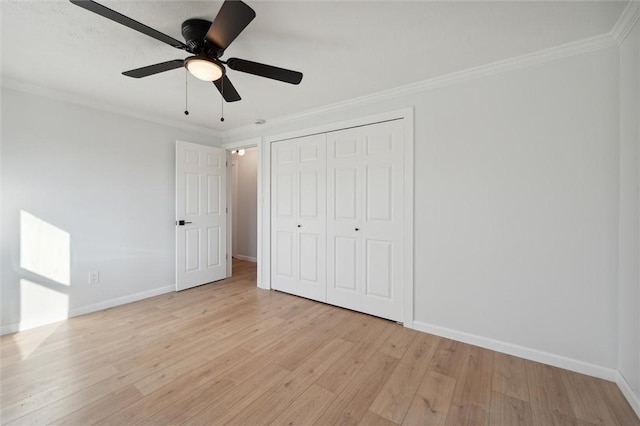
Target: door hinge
x=226 y=164
x=226 y=256
x=226 y=209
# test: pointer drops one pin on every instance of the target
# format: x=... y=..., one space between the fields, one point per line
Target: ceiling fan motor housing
x=194 y=32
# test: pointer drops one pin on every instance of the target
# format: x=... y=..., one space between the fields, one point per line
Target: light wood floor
x=231 y=353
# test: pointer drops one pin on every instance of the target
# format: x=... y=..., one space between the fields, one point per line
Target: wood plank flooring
x=230 y=353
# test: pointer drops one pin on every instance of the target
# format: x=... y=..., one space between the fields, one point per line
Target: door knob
x=357 y=229
x=182 y=223
x=299 y=226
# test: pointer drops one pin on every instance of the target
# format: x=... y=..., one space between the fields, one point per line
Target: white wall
x=629 y=245
x=97 y=194
x=517 y=219
x=516 y=205
x=245 y=205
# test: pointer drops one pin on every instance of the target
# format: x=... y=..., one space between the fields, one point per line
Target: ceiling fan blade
x=268 y=71
x=154 y=69
x=226 y=89
x=233 y=17
x=128 y=22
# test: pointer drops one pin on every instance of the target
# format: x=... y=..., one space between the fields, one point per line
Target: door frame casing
x=246 y=143
x=264 y=197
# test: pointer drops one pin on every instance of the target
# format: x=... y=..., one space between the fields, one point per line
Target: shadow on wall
x=45 y=264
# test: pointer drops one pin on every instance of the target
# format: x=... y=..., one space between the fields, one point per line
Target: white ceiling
x=345 y=49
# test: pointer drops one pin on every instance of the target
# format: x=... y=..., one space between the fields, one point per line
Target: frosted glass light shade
x=204 y=69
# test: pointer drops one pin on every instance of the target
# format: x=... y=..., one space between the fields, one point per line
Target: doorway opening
x=243 y=211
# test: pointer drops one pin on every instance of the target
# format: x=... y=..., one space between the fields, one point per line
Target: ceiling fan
x=206 y=41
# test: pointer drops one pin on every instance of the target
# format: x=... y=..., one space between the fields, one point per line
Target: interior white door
x=383 y=219
x=284 y=193
x=298 y=180
x=201 y=215
x=344 y=218
x=365 y=211
x=311 y=222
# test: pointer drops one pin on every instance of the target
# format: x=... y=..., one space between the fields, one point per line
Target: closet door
x=364 y=219
x=382 y=219
x=298 y=240
x=311 y=217
x=344 y=219
x=284 y=190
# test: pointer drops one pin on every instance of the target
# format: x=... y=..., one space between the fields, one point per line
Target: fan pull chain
x=186 y=92
x=222 y=99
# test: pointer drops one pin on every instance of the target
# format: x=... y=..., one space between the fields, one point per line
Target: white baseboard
x=521 y=351
x=634 y=400
x=247 y=258
x=120 y=301
x=9 y=328
x=15 y=327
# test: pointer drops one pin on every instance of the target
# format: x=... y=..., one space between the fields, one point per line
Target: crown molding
x=12 y=84
x=523 y=61
x=627 y=20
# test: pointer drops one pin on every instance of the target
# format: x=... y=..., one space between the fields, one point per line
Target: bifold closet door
x=365 y=219
x=298 y=212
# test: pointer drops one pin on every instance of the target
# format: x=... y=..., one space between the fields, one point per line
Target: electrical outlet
x=94 y=277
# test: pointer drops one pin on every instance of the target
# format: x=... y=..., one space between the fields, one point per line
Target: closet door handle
x=357 y=229
x=299 y=226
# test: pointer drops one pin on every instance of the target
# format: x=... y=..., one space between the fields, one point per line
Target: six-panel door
x=337 y=218
x=201 y=204
x=364 y=219
x=298 y=184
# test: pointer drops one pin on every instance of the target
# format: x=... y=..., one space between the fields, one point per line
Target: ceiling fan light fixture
x=207 y=41
x=204 y=69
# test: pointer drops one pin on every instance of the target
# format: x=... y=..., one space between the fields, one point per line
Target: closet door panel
x=344 y=211
x=345 y=276
x=311 y=220
x=284 y=273
x=345 y=195
x=382 y=219
x=377 y=268
x=309 y=252
x=284 y=244
x=378 y=196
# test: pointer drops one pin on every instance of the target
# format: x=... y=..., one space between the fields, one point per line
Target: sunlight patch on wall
x=44 y=249
x=41 y=305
